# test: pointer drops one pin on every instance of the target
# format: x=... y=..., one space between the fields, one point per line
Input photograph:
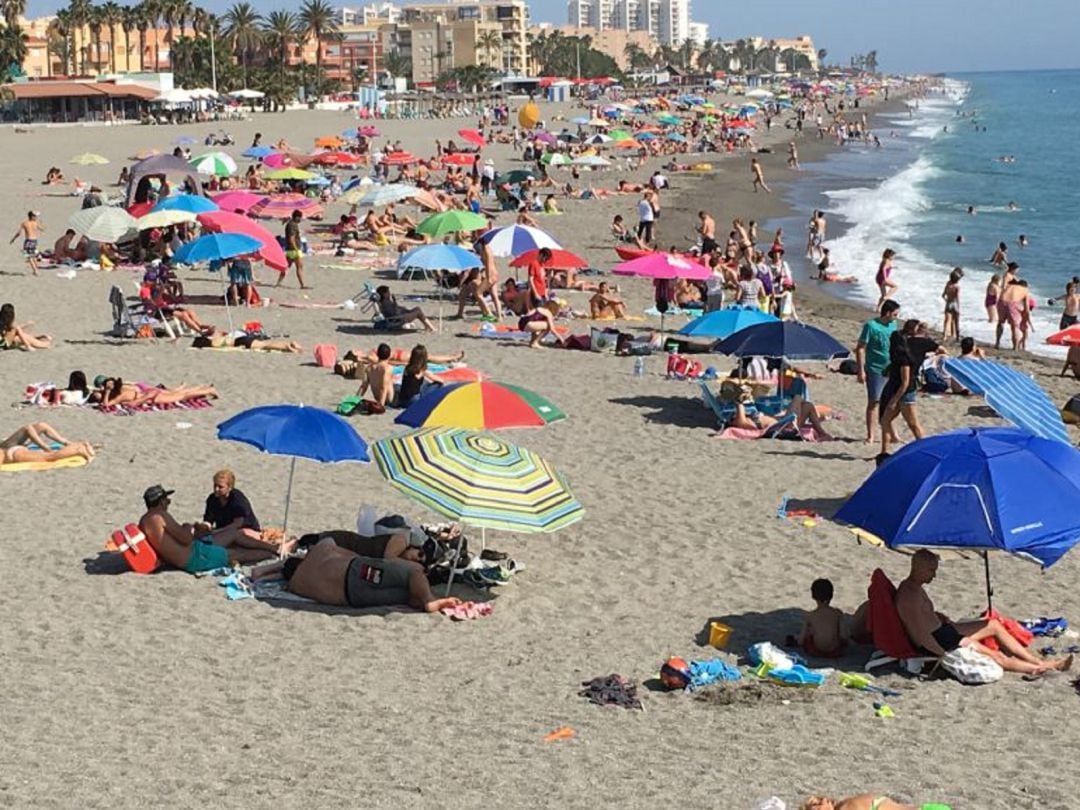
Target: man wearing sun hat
x=181 y=546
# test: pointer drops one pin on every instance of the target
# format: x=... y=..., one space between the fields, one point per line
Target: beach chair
x=891 y=642
x=723 y=411
x=129 y=318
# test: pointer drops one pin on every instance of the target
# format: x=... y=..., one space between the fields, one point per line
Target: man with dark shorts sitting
x=332 y=575
x=937 y=634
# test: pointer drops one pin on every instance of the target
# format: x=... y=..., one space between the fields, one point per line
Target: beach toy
x=564 y=733
x=132 y=543
x=883 y=710
x=529 y=115
x=797 y=675
x=675 y=673
x=719 y=633
x=809 y=523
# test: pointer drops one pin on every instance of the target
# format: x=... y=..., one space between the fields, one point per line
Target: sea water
x=985 y=140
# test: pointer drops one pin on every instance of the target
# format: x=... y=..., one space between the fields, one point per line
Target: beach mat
x=38 y=466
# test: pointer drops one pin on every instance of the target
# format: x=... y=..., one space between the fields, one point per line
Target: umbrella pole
x=228 y=309
x=288 y=500
x=989 y=587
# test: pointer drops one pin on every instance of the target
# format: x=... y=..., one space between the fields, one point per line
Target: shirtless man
x=604 y=306
x=707 y=229
x=759 y=176
x=30 y=229
x=490 y=278
x=63 y=251
x=1012 y=308
x=379 y=378
x=938 y=635
x=793 y=156
x=332 y=575
x=178 y=545
x=816 y=239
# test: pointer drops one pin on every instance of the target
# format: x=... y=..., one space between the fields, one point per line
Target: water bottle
x=639 y=366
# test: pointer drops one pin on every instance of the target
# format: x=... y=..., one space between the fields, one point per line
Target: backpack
x=325 y=355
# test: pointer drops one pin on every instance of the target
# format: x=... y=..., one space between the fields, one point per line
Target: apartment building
x=668 y=21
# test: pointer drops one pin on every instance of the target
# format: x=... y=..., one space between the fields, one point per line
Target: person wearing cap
x=227 y=506
x=332 y=575
x=394 y=538
x=183 y=546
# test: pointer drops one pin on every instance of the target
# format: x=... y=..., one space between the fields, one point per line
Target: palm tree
x=396 y=64
x=316 y=20
x=242 y=30
x=11 y=11
x=111 y=15
x=78 y=17
x=488 y=42
x=13 y=48
x=59 y=38
x=282 y=28
x=142 y=22
x=169 y=15
x=636 y=56
x=95 y=22
x=152 y=10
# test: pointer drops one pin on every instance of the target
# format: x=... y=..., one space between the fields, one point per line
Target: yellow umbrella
x=290 y=174
x=164 y=218
x=89 y=159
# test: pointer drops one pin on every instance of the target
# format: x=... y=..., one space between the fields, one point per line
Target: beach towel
x=710 y=671
x=38 y=466
x=131 y=410
x=507 y=332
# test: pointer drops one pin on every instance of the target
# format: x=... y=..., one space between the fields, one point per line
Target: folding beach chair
x=130 y=317
x=891 y=642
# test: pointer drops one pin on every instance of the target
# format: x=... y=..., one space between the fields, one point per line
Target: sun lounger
x=130 y=317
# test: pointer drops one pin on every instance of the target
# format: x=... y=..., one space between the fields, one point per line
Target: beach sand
x=128 y=691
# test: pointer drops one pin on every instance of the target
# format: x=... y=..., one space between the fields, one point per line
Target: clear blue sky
x=909 y=35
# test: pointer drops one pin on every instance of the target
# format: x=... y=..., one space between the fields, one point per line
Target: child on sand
x=822 y=631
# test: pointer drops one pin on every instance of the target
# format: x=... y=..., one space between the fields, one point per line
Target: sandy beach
x=128 y=691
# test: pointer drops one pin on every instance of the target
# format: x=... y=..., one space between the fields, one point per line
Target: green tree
x=13 y=50
x=316 y=21
x=152 y=12
x=490 y=42
x=637 y=57
x=243 y=31
x=466 y=79
x=78 y=16
x=397 y=64
x=95 y=22
x=111 y=16
x=821 y=54
x=281 y=31
x=58 y=36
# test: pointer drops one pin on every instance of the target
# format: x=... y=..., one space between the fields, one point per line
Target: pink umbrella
x=472 y=136
x=276 y=160
x=238 y=200
x=281 y=206
x=459 y=159
x=369 y=132
x=545 y=137
x=660 y=265
x=228 y=222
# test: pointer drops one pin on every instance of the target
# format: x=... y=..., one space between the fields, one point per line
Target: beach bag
x=971 y=666
x=601 y=340
x=325 y=355
x=683 y=368
x=136 y=549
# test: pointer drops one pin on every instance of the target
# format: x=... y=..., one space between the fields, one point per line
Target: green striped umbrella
x=620 y=135
x=478 y=480
x=216 y=163
x=451 y=222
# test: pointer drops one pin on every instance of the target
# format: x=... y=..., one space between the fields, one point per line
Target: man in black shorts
x=332 y=575
x=936 y=634
x=394 y=539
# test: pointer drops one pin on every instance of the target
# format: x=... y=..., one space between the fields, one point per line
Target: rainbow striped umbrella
x=484 y=405
x=479 y=480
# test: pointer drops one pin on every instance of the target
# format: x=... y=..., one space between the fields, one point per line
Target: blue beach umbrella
x=788 y=339
x=217 y=246
x=350 y=134
x=192 y=203
x=1013 y=394
x=645 y=136
x=299 y=432
x=676 y=137
x=185 y=140
x=581 y=120
x=258 y=152
x=981 y=489
x=725 y=322
x=429 y=258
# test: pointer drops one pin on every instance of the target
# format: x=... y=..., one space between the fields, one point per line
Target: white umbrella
x=164 y=218
x=759 y=93
x=247 y=94
x=203 y=92
x=593 y=161
x=381 y=195
x=103 y=223
x=175 y=96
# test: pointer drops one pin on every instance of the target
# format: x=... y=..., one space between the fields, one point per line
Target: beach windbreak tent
x=159 y=166
x=978 y=489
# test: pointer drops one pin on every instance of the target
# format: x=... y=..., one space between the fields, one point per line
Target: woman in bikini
x=14 y=335
x=222 y=340
x=114 y=391
x=32 y=442
x=993 y=290
x=865 y=801
x=538 y=322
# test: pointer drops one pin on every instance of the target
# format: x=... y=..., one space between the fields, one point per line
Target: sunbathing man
x=33 y=442
x=219 y=340
x=938 y=635
x=394 y=538
x=604 y=306
x=379 y=378
x=182 y=547
x=332 y=575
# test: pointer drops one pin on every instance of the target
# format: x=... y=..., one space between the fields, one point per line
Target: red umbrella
x=459 y=159
x=400 y=158
x=228 y=222
x=335 y=158
x=472 y=136
x=281 y=206
x=237 y=200
x=560 y=260
x=140 y=209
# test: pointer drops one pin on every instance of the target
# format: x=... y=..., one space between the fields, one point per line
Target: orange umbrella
x=630 y=144
x=329 y=142
x=472 y=136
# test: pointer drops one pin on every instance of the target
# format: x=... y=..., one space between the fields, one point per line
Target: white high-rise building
x=666 y=20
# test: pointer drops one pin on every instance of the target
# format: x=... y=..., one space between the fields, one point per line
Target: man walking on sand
x=707 y=229
x=793 y=156
x=30 y=229
x=759 y=176
x=294 y=250
x=872 y=359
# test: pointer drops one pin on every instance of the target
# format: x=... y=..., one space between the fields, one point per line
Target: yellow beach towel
x=35 y=466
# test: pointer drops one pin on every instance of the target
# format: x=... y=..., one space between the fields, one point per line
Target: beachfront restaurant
x=71 y=101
